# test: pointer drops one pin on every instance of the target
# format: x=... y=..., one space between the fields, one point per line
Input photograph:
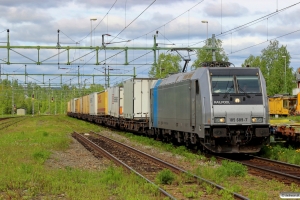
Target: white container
x=115 y=101
x=137 y=98
x=73 y=105
x=93 y=103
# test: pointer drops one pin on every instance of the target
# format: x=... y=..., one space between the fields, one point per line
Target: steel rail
x=270 y=172
x=173 y=167
x=84 y=140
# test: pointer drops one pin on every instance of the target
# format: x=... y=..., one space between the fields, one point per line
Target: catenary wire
x=134 y=19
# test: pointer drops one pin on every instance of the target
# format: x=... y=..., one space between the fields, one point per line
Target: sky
x=133 y=23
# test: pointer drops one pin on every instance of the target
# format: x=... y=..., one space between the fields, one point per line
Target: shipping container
x=85 y=104
x=93 y=103
x=69 y=107
x=73 y=105
x=137 y=98
x=78 y=105
x=115 y=101
x=102 y=107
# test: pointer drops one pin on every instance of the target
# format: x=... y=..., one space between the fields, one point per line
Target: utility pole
x=108 y=79
x=49 y=96
x=12 y=96
x=33 y=102
x=213 y=48
x=55 y=102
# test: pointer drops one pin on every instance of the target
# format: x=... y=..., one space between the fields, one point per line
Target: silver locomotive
x=219 y=108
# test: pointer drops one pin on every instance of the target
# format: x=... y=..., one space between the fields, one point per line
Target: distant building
x=21 y=112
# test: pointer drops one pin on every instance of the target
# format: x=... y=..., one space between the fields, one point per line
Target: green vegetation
x=204 y=55
x=24 y=151
x=181 y=150
x=273 y=65
x=25 y=173
x=228 y=169
x=37 y=99
x=223 y=172
x=283 y=151
x=165 y=177
x=167 y=63
x=277 y=152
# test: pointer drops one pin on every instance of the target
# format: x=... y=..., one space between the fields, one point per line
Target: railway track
x=270 y=169
x=13 y=121
x=144 y=165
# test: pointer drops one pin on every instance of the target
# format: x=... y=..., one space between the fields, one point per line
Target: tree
x=167 y=63
x=205 y=54
x=252 y=61
x=274 y=64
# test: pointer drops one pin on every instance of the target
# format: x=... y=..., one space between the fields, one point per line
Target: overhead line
x=264 y=42
x=266 y=16
x=139 y=56
x=245 y=25
x=67 y=36
x=134 y=20
x=165 y=37
x=170 y=20
x=99 y=22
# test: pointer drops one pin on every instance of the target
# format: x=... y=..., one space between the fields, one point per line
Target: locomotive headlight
x=237 y=100
x=257 y=119
x=219 y=120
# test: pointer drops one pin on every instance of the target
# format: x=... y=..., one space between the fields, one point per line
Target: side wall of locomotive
x=180 y=104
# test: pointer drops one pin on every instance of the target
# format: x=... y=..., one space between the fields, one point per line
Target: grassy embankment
x=24 y=149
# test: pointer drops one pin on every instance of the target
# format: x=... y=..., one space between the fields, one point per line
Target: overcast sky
x=178 y=22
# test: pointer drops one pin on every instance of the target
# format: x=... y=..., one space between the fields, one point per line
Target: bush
x=232 y=169
x=165 y=177
x=277 y=152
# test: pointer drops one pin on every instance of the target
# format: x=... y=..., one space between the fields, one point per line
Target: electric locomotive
x=220 y=108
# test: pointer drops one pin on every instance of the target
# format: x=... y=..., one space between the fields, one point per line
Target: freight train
x=217 y=108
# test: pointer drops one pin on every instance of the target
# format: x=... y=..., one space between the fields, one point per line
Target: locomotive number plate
x=238 y=119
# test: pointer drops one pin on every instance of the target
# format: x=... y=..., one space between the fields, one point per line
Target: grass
x=165 y=177
x=281 y=153
x=181 y=150
x=25 y=147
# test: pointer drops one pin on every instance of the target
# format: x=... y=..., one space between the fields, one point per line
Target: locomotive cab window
x=248 y=84
x=222 y=84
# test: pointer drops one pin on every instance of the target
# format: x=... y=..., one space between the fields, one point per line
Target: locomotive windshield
x=222 y=84
x=235 y=84
x=248 y=84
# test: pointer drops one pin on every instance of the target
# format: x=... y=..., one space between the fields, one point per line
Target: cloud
x=127 y=3
x=34 y=3
x=228 y=10
x=16 y=15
